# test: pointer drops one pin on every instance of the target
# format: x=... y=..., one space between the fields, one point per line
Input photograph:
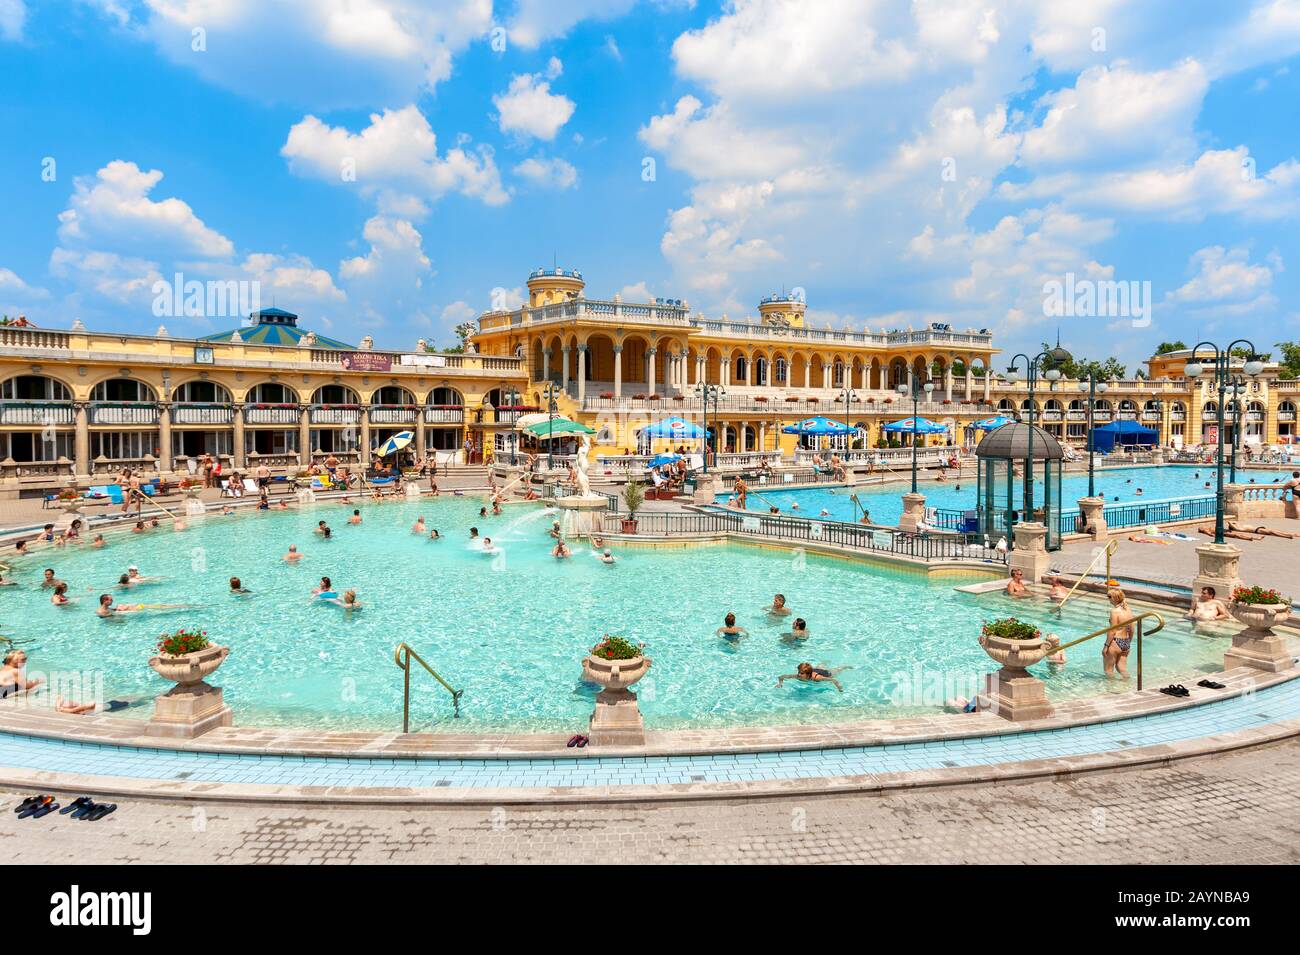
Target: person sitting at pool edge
x=1016 y=584
x=1207 y=606
x=12 y=676
x=729 y=631
x=807 y=673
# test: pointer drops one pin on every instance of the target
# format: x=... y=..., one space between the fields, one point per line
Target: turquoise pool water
x=885 y=504
x=511 y=629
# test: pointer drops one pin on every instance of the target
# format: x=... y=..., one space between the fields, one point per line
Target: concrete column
x=947 y=382
x=81 y=442
x=988 y=384
x=807 y=374
x=970 y=384
x=1030 y=553
x=236 y=438
x=1218 y=567
x=304 y=436
x=827 y=381
x=749 y=369
x=650 y=370
x=364 y=449
x=421 y=435
x=582 y=371
x=546 y=364
x=618 y=371
x=1094 y=517
x=564 y=372
x=724 y=371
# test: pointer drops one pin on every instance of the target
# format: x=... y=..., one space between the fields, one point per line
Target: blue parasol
x=674 y=429
x=816 y=426
x=395 y=443
x=992 y=424
x=915 y=426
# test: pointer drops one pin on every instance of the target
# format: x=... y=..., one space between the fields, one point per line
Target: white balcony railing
x=192 y=413
x=123 y=412
x=443 y=414
x=393 y=414
x=40 y=413
x=271 y=414
x=335 y=414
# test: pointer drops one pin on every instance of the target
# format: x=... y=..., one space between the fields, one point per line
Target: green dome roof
x=275 y=326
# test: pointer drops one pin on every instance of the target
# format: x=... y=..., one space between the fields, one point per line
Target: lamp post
x=1236 y=388
x=1220 y=367
x=927 y=389
x=1094 y=388
x=1045 y=362
x=706 y=393
x=549 y=393
x=848 y=396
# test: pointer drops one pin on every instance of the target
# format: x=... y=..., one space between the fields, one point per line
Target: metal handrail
x=1112 y=545
x=402 y=655
x=1137 y=623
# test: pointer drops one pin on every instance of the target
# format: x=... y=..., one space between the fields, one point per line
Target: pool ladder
x=1112 y=545
x=402 y=656
x=1138 y=625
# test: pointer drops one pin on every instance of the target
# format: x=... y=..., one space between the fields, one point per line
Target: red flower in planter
x=760 y=398
x=607 y=394
x=679 y=397
x=651 y=397
x=791 y=398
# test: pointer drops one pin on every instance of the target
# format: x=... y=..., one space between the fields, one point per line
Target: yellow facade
x=77 y=405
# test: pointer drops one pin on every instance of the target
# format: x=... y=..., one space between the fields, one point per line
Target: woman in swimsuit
x=13 y=679
x=1114 y=652
x=807 y=673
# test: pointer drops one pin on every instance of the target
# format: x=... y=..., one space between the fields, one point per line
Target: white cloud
x=553 y=173
x=124 y=279
x=636 y=293
x=115 y=207
x=12 y=284
x=536 y=21
x=1225 y=282
x=710 y=143
x=13 y=16
x=457 y=312
x=1116 y=113
x=397 y=152
x=395 y=246
x=529 y=108
x=326 y=53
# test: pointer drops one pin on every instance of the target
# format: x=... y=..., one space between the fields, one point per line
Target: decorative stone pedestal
x=581 y=516
x=305 y=495
x=1218 y=569
x=706 y=489
x=70 y=514
x=1030 y=553
x=1011 y=692
x=1094 y=517
x=192 y=707
x=616 y=720
x=1158 y=456
x=194 y=509
x=913 y=512
x=1258 y=646
x=412 y=491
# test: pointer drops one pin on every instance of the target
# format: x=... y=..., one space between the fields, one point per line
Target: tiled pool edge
x=272 y=741
x=870 y=783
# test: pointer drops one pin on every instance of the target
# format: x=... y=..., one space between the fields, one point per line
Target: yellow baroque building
x=79 y=405
x=617 y=365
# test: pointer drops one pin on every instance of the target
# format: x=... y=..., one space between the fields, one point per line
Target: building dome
x=274 y=326
x=1011 y=441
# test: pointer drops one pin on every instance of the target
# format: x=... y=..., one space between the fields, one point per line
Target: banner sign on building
x=366 y=361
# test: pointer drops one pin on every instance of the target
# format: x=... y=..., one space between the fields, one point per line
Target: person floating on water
x=107 y=608
x=807 y=673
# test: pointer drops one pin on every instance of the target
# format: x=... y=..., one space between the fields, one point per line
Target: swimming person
x=1057 y=656
x=798 y=632
x=134 y=573
x=324 y=590
x=355 y=518
x=1058 y=591
x=107 y=608
x=418 y=527
x=60 y=596
x=778 y=608
x=607 y=557
x=434 y=535
x=1114 y=652
x=348 y=601
x=561 y=550
x=321 y=528
x=48 y=580
x=293 y=556
x=729 y=631
x=807 y=673
x=237 y=589
x=473 y=533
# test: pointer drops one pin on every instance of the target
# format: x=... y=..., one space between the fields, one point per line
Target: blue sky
x=903 y=162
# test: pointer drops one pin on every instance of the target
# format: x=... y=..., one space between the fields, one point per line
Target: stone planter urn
x=191 y=707
x=1012 y=692
x=194 y=490
x=616 y=720
x=1258 y=646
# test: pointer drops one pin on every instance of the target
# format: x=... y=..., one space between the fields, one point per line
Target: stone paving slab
x=1237 y=807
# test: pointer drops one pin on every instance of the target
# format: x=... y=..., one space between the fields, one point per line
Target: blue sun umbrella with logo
x=394 y=444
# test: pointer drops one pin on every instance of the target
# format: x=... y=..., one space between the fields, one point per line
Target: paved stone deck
x=1232 y=808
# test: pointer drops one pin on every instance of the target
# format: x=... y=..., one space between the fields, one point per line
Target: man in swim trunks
x=1206 y=606
x=293 y=556
x=355 y=518
x=1058 y=591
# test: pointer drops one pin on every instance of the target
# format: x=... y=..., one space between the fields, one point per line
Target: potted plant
x=607 y=395
x=652 y=397
x=633 y=497
x=70 y=500
x=760 y=398
x=1013 y=644
x=615 y=664
x=1259 y=609
x=187 y=657
x=791 y=398
x=190 y=487
x=679 y=397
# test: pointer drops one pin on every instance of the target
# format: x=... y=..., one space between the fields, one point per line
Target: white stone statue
x=580 y=468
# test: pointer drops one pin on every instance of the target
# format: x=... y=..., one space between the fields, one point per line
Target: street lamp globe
x=1012 y=374
x=1052 y=374
x=1193 y=369
x=1082 y=386
x=928 y=387
x=1102 y=387
x=902 y=389
x=1254 y=367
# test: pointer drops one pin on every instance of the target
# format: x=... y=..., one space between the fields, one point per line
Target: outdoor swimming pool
x=886 y=506
x=512 y=629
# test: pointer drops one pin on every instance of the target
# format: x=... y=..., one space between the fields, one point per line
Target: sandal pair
x=1175 y=689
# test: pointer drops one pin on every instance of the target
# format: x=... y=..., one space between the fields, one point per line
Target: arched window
x=779 y=371
x=272 y=393
x=34 y=388
x=202 y=392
